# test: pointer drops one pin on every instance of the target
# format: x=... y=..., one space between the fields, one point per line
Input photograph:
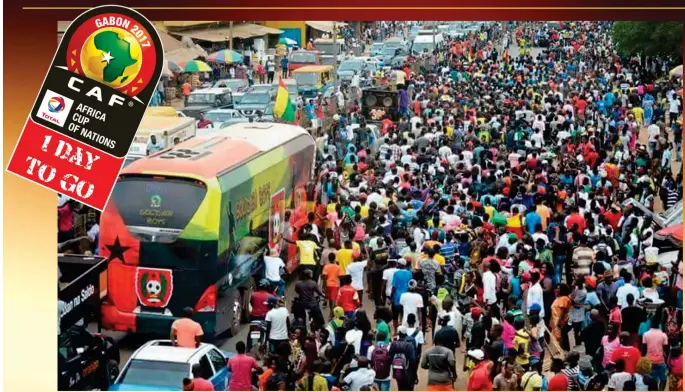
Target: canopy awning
x=674 y=232
x=220 y=34
x=170 y=43
x=186 y=23
x=324 y=25
x=183 y=55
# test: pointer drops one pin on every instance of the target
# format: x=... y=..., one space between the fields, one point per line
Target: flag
x=283 y=107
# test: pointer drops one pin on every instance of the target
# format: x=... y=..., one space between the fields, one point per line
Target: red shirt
x=200 y=384
x=241 y=368
x=630 y=355
x=348 y=299
x=576 y=219
x=559 y=382
x=480 y=378
x=258 y=302
x=613 y=218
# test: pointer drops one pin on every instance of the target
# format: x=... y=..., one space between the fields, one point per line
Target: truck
x=85 y=360
x=332 y=52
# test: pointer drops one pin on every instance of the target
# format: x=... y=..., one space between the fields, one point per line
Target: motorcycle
x=257 y=336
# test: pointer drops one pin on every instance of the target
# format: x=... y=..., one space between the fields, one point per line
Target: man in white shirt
x=273 y=268
x=535 y=294
x=489 y=286
x=361 y=377
x=356 y=272
x=277 y=324
x=653 y=136
x=627 y=288
x=412 y=302
x=388 y=274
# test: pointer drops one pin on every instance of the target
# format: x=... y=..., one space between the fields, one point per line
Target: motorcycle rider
x=259 y=305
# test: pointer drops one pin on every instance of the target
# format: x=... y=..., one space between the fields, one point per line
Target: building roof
x=324 y=25
x=223 y=33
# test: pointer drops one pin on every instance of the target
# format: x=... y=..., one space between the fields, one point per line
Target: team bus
x=187 y=227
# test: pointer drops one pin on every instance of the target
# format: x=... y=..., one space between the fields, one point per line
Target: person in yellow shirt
x=440 y=259
x=307 y=247
x=544 y=212
x=345 y=256
x=489 y=209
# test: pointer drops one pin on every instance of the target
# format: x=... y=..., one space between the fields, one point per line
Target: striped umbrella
x=195 y=66
x=225 y=56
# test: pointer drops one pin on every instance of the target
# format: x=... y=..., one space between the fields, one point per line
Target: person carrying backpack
x=415 y=335
x=381 y=362
x=403 y=357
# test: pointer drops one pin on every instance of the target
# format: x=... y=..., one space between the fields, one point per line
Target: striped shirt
x=572 y=375
x=448 y=250
x=583 y=256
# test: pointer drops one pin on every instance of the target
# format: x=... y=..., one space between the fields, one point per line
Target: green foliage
x=649 y=39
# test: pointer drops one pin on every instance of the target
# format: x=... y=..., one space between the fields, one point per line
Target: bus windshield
x=157 y=209
x=303 y=58
x=307 y=79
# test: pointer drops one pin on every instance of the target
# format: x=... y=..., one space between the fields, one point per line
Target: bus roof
x=163 y=123
x=313 y=68
x=218 y=151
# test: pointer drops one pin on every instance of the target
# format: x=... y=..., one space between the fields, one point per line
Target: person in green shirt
x=383 y=316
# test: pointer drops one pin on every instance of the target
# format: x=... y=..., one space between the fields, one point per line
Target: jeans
x=279 y=285
x=273 y=344
x=383 y=385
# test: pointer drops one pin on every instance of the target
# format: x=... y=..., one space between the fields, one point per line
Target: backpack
x=412 y=338
x=399 y=366
x=380 y=361
x=671 y=326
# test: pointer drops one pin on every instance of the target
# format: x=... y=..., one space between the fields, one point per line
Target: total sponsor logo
x=55 y=108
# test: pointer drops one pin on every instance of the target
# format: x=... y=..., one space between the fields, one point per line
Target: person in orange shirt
x=348 y=297
x=331 y=278
x=185 y=332
x=186 y=92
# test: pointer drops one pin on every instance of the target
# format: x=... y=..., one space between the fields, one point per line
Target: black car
x=86 y=361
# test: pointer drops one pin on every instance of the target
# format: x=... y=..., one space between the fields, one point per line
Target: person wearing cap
x=479 y=379
x=401 y=347
x=533 y=380
x=411 y=302
x=400 y=285
x=606 y=290
x=186 y=332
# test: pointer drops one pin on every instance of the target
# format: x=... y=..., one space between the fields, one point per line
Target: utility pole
x=230 y=36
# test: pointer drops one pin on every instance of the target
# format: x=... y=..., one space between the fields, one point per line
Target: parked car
x=207 y=99
x=221 y=117
x=376 y=48
x=159 y=365
x=255 y=101
x=238 y=87
x=86 y=361
x=348 y=68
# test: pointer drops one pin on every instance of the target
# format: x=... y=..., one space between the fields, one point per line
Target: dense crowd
x=488 y=227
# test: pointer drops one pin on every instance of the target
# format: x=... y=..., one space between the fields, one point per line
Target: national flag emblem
x=283 y=107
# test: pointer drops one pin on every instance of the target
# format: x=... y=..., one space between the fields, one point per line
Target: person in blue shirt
x=609 y=99
x=310 y=108
x=400 y=285
x=284 y=66
x=532 y=219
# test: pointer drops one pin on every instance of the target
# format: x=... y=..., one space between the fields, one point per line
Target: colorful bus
x=187 y=227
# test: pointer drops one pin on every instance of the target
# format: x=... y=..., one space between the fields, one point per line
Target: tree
x=649 y=39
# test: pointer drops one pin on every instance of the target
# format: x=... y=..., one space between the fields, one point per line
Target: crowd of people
x=487 y=231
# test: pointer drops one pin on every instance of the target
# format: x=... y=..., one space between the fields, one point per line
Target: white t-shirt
x=489 y=287
x=356 y=271
x=354 y=337
x=388 y=274
x=360 y=378
x=279 y=325
x=272 y=268
x=411 y=302
x=419 y=336
x=653 y=133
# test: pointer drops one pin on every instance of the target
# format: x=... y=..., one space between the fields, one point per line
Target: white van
x=425 y=43
x=166 y=130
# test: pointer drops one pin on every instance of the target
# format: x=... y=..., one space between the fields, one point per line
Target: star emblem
x=116 y=251
x=107 y=57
